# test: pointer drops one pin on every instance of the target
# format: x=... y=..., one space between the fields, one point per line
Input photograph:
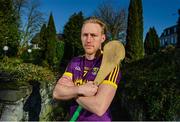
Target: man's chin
x=89 y=52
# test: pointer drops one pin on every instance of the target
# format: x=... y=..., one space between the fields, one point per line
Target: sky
x=157 y=13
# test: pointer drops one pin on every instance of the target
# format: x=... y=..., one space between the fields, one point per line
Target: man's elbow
x=55 y=95
x=57 y=92
x=101 y=110
x=100 y=113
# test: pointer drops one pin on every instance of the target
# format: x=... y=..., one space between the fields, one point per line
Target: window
x=168 y=31
x=163 y=41
x=172 y=39
x=175 y=39
x=164 y=33
x=175 y=29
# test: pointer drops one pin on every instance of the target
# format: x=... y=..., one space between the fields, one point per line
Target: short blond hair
x=97 y=21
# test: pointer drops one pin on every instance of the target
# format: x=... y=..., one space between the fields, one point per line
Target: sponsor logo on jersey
x=77 y=68
x=95 y=70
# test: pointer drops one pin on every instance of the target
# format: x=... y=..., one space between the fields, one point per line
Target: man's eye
x=93 y=35
x=85 y=34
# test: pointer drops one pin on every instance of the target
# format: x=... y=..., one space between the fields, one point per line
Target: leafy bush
x=25 y=56
x=59 y=54
x=38 y=57
x=152 y=90
x=21 y=73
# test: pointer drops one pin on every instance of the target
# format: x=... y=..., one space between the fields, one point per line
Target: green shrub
x=21 y=73
x=37 y=57
x=152 y=90
x=25 y=55
x=59 y=54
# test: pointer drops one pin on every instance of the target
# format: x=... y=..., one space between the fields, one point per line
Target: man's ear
x=103 y=38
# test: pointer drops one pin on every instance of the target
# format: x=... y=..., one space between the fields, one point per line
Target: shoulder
x=76 y=60
x=73 y=65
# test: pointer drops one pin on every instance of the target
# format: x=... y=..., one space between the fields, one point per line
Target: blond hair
x=96 y=21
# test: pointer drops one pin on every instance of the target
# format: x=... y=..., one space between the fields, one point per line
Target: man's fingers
x=90 y=82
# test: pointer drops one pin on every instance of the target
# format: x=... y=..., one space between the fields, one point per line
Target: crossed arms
x=95 y=99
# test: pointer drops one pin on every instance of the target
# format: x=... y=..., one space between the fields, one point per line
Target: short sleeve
x=69 y=70
x=113 y=78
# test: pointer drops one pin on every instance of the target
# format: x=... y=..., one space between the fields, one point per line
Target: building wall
x=169 y=36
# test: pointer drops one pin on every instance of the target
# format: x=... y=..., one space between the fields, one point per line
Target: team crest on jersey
x=79 y=82
x=77 y=68
x=95 y=70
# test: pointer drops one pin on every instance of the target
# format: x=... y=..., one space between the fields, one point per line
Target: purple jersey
x=82 y=70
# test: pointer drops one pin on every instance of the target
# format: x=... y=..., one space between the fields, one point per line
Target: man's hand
x=88 y=89
x=66 y=81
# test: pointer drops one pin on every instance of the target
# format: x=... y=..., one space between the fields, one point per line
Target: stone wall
x=12 y=102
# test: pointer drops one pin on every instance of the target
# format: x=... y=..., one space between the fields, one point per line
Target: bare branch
x=114 y=19
x=32 y=23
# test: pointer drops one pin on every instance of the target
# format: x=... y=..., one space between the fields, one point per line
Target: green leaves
x=9 y=35
x=72 y=35
x=152 y=43
x=153 y=83
x=21 y=73
x=134 y=38
x=178 y=31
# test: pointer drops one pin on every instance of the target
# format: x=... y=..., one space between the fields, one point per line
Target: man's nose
x=89 y=38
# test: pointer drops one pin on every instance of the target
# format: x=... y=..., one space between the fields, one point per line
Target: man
x=77 y=81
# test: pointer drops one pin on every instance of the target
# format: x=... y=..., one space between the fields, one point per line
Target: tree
x=134 y=39
x=41 y=41
x=151 y=43
x=72 y=36
x=50 y=47
x=59 y=53
x=19 y=6
x=51 y=42
x=8 y=28
x=114 y=19
x=178 y=31
x=33 y=20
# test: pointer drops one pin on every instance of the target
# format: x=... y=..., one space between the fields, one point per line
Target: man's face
x=91 y=37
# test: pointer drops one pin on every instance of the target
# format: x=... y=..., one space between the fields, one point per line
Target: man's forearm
x=65 y=92
x=91 y=104
x=100 y=102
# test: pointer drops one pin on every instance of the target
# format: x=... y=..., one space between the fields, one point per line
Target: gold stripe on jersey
x=110 y=75
x=113 y=75
x=69 y=74
x=116 y=75
x=110 y=83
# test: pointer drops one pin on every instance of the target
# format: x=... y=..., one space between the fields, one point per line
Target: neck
x=90 y=57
